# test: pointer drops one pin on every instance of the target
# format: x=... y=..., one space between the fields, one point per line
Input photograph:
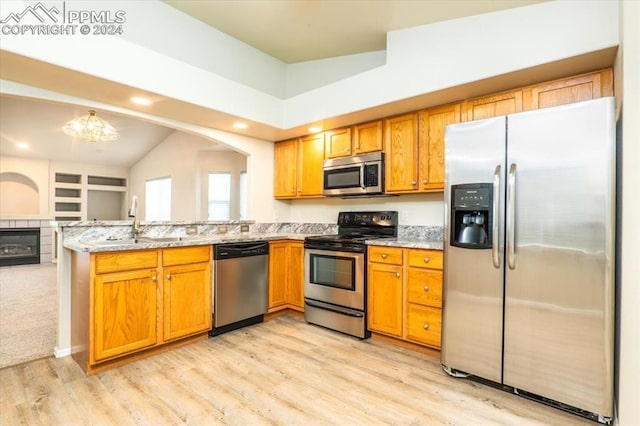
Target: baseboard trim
x=60 y=353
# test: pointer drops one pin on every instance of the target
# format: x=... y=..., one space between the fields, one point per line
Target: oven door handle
x=335 y=309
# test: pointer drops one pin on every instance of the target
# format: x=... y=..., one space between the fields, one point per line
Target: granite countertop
x=128 y=244
x=422 y=243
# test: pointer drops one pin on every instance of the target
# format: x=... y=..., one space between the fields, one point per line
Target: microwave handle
x=362 y=184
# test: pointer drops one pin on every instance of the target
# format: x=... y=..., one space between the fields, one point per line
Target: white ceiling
x=290 y=30
x=304 y=30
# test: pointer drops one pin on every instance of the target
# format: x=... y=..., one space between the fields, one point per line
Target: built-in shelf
x=78 y=196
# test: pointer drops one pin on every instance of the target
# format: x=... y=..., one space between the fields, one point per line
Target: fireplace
x=19 y=246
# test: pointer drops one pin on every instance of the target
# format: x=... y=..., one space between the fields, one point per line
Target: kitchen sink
x=141 y=240
x=122 y=242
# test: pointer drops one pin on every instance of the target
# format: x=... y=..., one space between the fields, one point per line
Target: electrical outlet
x=191 y=230
x=222 y=229
x=244 y=228
x=404 y=217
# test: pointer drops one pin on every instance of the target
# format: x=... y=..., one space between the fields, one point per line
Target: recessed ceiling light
x=140 y=100
x=315 y=129
x=240 y=125
x=22 y=145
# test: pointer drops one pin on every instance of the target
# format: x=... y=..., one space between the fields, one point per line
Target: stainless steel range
x=335 y=271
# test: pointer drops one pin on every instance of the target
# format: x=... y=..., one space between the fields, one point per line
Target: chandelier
x=91 y=128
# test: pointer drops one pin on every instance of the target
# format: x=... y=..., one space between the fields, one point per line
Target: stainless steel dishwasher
x=240 y=285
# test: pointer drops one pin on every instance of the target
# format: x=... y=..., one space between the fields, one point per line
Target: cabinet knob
x=424 y=181
x=414 y=183
x=425 y=288
x=426 y=260
x=293 y=191
x=168 y=276
x=346 y=150
x=300 y=190
x=154 y=278
x=425 y=327
x=383 y=255
x=397 y=274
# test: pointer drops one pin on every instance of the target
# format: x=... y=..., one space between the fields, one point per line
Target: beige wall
x=27 y=195
x=629 y=274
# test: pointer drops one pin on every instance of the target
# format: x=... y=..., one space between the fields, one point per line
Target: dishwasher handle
x=236 y=250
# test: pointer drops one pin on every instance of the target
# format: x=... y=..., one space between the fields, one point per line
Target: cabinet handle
x=426 y=260
x=154 y=278
x=425 y=327
x=168 y=276
x=293 y=191
x=346 y=150
x=383 y=255
x=424 y=181
x=299 y=190
x=425 y=288
x=414 y=183
x=397 y=274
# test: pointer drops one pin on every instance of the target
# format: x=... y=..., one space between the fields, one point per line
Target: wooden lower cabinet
x=134 y=302
x=125 y=312
x=286 y=275
x=405 y=294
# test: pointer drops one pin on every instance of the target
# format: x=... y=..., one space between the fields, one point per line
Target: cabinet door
x=424 y=324
x=385 y=298
x=367 y=137
x=295 y=279
x=125 y=312
x=493 y=106
x=187 y=299
x=311 y=152
x=575 y=89
x=401 y=149
x=277 y=274
x=431 y=144
x=424 y=286
x=337 y=143
x=285 y=171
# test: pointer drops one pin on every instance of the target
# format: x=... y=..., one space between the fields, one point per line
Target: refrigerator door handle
x=495 y=227
x=511 y=218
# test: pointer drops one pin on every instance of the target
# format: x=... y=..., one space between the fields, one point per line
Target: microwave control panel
x=371 y=176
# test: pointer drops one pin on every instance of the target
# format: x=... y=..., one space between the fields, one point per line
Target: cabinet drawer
x=424 y=324
x=425 y=287
x=425 y=258
x=388 y=255
x=125 y=260
x=185 y=255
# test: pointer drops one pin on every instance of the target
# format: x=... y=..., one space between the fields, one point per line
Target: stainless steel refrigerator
x=529 y=253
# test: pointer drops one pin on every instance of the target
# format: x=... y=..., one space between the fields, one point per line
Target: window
x=243 y=195
x=219 y=196
x=157 y=198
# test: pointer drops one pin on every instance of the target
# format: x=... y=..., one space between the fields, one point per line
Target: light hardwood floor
x=283 y=371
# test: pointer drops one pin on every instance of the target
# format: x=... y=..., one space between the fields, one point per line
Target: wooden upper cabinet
x=367 y=137
x=569 y=90
x=285 y=170
x=433 y=123
x=337 y=143
x=401 y=153
x=310 y=158
x=492 y=106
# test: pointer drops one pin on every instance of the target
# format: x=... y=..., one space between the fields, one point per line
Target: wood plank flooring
x=282 y=372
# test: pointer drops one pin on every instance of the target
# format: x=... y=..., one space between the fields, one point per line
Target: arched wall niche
x=19 y=195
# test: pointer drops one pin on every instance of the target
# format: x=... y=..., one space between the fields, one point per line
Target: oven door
x=335 y=277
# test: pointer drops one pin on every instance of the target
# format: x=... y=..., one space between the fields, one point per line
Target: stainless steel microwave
x=355 y=175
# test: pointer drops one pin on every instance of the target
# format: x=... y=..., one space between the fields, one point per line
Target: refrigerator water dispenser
x=471 y=215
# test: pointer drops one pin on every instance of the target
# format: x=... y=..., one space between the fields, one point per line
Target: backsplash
x=98 y=230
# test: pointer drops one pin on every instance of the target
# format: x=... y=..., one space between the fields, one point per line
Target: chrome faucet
x=133 y=212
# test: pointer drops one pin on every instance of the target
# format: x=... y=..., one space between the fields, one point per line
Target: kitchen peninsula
x=97 y=260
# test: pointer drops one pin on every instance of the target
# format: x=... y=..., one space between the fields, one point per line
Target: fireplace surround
x=19 y=246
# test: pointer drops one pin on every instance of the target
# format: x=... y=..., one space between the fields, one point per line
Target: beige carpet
x=27 y=312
